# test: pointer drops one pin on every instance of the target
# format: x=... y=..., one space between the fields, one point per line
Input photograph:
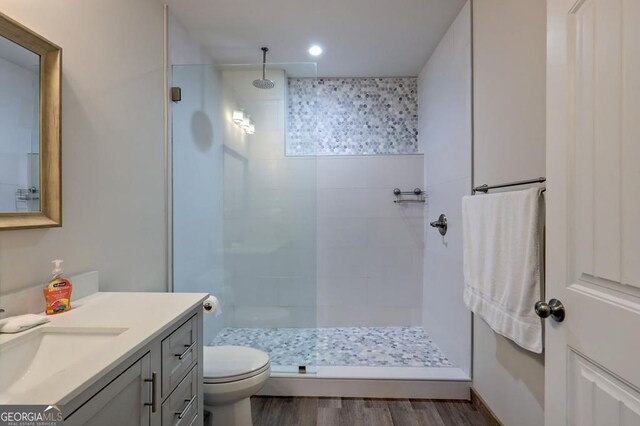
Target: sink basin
x=28 y=360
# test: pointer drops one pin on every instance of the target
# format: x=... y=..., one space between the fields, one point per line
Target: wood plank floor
x=284 y=411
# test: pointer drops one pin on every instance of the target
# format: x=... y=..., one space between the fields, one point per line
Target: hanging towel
x=502 y=267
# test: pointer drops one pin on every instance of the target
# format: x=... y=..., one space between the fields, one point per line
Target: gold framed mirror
x=30 y=157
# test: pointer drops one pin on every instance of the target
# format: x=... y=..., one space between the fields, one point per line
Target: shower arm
x=264 y=62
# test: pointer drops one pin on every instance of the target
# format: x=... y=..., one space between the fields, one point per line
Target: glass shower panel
x=257 y=208
x=197 y=186
x=269 y=225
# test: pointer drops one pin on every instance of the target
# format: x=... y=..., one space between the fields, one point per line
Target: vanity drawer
x=181 y=408
x=179 y=353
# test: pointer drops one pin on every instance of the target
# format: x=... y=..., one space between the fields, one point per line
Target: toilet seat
x=225 y=364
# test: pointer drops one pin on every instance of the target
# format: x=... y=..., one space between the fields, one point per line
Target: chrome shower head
x=264 y=82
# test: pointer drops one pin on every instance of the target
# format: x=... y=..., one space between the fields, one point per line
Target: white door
x=593 y=212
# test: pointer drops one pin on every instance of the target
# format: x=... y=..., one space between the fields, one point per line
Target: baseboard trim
x=366 y=388
x=484 y=409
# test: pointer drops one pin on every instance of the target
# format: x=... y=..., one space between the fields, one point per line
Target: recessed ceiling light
x=315 y=50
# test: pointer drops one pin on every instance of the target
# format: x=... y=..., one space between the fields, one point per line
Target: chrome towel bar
x=485 y=188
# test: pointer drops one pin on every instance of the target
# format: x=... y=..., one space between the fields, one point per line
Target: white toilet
x=231 y=375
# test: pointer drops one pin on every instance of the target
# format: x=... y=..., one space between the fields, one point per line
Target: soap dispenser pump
x=57 y=292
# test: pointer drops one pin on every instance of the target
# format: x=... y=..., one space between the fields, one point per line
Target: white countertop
x=144 y=316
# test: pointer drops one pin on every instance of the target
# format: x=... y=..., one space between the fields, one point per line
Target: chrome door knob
x=554 y=309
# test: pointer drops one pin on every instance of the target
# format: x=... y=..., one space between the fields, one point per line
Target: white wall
x=112 y=147
x=509 y=144
x=444 y=99
x=509 y=89
x=369 y=249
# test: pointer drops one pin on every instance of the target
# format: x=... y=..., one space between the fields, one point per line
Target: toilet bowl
x=231 y=375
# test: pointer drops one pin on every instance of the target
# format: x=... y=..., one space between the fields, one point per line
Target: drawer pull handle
x=153 y=380
x=186 y=351
x=187 y=407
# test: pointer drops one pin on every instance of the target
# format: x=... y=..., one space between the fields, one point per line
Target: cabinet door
x=121 y=402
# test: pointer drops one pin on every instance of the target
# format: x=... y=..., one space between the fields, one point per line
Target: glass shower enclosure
x=243 y=212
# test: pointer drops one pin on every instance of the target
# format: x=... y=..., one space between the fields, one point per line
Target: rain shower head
x=264 y=82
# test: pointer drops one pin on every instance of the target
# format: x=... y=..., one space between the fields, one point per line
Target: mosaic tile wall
x=352 y=116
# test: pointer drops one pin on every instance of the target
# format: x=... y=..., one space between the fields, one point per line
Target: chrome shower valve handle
x=441 y=224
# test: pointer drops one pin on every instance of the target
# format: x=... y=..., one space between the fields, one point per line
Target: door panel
x=605 y=60
x=597 y=397
x=630 y=181
x=596 y=178
x=593 y=212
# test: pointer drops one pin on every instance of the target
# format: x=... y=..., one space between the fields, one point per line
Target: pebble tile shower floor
x=340 y=346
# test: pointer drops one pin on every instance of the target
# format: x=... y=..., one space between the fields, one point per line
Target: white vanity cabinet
x=161 y=384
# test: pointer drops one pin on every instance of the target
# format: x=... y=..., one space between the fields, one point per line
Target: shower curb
x=366 y=388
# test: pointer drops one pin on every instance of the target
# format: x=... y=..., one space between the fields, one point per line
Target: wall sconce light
x=238 y=116
x=244 y=121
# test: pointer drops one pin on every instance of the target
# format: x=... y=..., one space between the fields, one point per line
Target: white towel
x=502 y=263
x=20 y=323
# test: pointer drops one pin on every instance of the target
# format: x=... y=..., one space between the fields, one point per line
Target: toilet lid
x=229 y=363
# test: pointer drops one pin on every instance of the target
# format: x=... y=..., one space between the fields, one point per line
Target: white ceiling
x=360 y=38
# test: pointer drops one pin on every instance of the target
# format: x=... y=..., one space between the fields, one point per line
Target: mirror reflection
x=19 y=136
